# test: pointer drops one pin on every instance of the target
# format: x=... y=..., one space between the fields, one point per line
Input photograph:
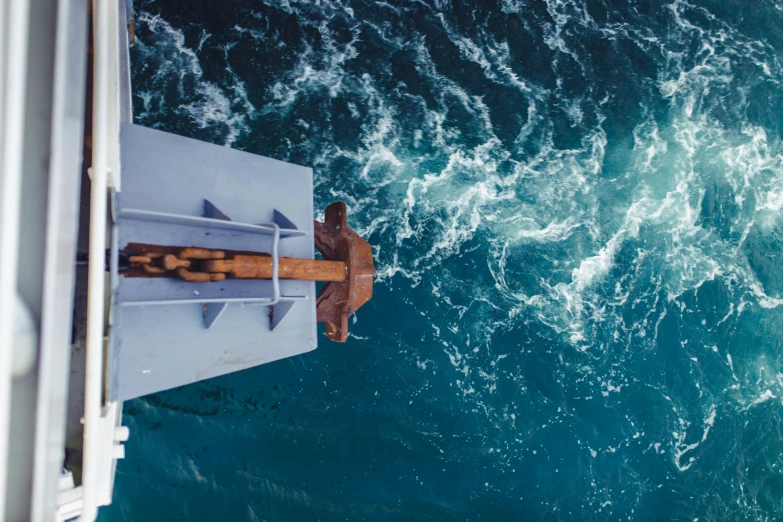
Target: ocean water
x=576 y=208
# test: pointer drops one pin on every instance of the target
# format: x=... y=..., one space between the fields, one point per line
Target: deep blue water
x=576 y=213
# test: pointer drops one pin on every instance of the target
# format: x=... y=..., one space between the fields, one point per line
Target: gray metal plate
x=154 y=347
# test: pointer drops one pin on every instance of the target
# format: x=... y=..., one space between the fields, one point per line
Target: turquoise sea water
x=576 y=209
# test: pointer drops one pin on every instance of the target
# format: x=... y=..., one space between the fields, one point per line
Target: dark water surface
x=576 y=208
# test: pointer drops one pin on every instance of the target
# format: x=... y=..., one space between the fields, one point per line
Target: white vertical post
x=14 y=28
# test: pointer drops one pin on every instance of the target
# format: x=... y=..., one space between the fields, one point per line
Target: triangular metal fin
x=211 y=211
x=211 y=313
x=282 y=221
x=278 y=312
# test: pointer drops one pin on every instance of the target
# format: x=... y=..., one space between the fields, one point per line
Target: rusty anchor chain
x=347 y=268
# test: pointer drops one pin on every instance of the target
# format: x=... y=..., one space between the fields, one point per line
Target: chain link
x=180 y=265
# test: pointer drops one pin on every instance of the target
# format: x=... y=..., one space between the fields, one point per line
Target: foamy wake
x=623 y=233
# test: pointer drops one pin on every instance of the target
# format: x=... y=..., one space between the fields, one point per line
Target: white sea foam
x=617 y=254
x=205 y=103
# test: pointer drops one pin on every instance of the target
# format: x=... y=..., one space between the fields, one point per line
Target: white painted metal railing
x=105 y=149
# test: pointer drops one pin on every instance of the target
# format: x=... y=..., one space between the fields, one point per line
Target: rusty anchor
x=347 y=268
x=338 y=300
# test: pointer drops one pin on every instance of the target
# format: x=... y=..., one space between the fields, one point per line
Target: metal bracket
x=212 y=311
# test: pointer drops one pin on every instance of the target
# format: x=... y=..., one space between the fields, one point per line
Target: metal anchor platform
x=167 y=332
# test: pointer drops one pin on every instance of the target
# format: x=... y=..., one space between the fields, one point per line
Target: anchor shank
x=260 y=267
